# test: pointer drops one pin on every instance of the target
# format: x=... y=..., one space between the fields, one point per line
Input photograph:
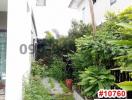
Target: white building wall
x=120 y=5
x=19 y=32
x=101 y=7
x=85 y=11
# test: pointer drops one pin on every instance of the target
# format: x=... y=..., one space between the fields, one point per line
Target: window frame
x=3 y=30
x=38 y=3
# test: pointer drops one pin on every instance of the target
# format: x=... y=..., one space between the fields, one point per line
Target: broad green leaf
x=126 y=85
x=121 y=42
x=125 y=25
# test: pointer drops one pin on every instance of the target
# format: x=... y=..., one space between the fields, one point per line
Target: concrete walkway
x=57 y=89
x=2 y=95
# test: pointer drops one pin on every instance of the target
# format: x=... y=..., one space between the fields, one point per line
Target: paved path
x=2 y=96
x=57 y=89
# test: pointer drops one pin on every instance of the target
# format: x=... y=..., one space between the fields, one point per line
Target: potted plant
x=69 y=76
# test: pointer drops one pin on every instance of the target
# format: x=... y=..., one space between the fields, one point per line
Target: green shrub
x=97 y=52
x=79 y=29
x=38 y=69
x=56 y=69
x=95 y=78
x=35 y=90
x=50 y=46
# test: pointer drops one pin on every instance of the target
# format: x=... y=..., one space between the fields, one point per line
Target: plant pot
x=69 y=83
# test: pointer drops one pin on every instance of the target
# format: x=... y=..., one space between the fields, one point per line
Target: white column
x=18 y=33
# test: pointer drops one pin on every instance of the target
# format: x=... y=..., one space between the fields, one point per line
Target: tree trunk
x=92 y=17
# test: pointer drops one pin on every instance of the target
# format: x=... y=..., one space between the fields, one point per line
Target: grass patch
x=35 y=90
x=65 y=89
x=51 y=83
x=64 y=97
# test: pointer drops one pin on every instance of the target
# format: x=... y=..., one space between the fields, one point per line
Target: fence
x=120 y=77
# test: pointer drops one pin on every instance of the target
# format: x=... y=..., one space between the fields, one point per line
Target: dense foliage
x=56 y=69
x=79 y=29
x=95 y=78
x=111 y=48
x=38 y=69
x=95 y=52
x=35 y=90
x=50 y=46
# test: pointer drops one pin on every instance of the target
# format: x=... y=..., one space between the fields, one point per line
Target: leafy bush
x=56 y=69
x=107 y=47
x=50 y=46
x=95 y=52
x=125 y=61
x=35 y=90
x=125 y=15
x=64 y=43
x=79 y=29
x=95 y=78
x=38 y=69
x=125 y=30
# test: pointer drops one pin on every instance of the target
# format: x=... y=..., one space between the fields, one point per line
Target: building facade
x=18 y=37
x=3 y=43
x=101 y=7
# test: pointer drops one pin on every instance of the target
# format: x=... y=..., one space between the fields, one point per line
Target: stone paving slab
x=57 y=88
x=2 y=97
x=2 y=94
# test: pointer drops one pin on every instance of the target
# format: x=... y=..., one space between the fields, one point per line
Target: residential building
x=3 y=38
x=17 y=40
x=101 y=7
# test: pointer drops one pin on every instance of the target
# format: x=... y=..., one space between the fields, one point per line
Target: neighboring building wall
x=3 y=20
x=85 y=11
x=101 y=7
x=120 y=5
x=18 y=33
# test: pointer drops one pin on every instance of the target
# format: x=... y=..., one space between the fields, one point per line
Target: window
x=84 y=14
x=2 y=52
x=112 y=2
x=40 y=2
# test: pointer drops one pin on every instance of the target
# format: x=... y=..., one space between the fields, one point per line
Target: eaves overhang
x=75 y=4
